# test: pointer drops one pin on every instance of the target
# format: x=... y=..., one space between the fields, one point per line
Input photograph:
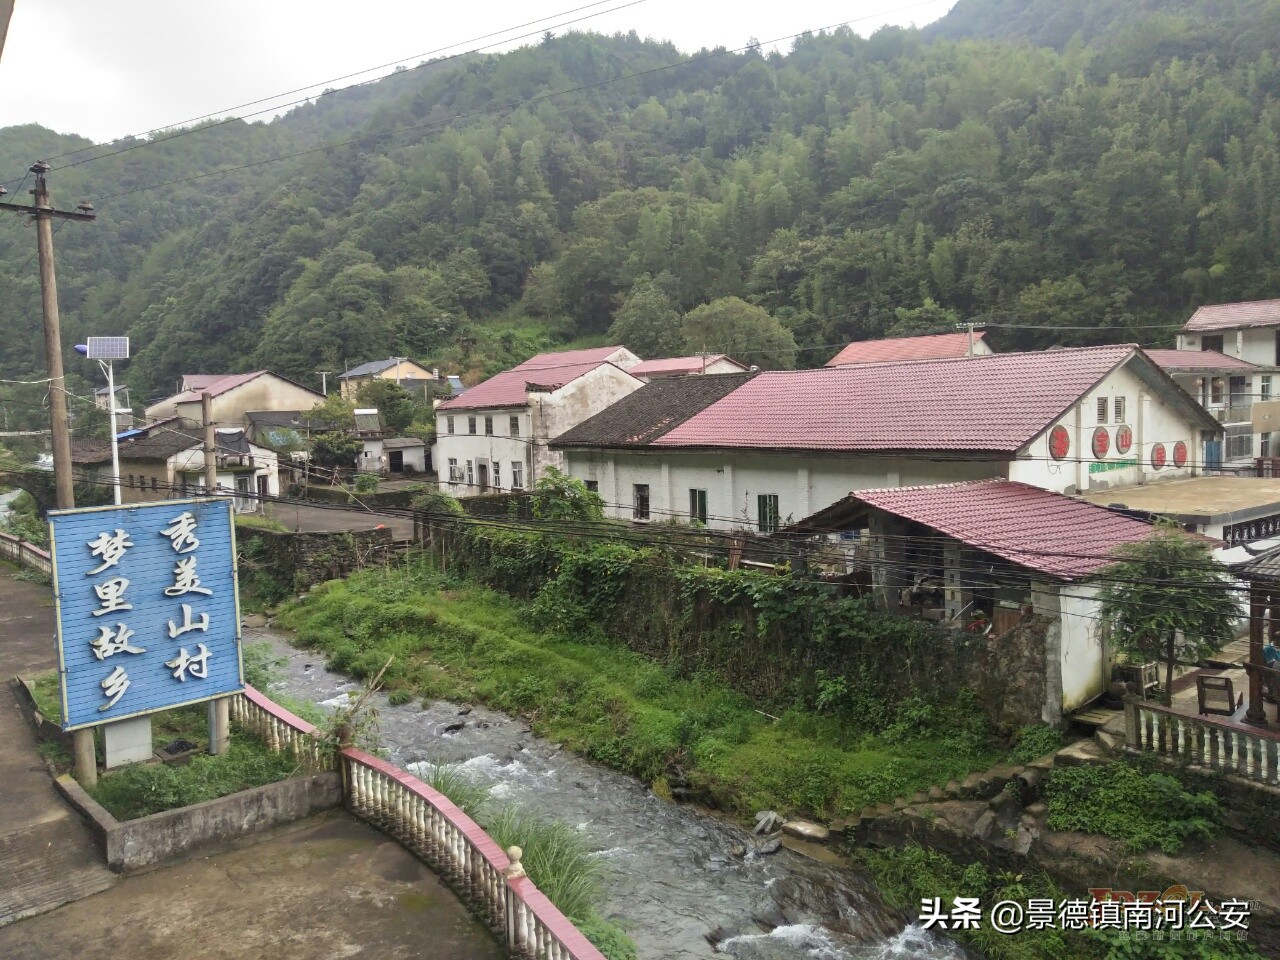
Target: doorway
x=484 y=476
x=395 y=461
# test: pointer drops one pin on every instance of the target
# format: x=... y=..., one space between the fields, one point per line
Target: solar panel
x=108 y=348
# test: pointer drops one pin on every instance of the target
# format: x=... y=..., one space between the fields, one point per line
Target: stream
x=675 y=877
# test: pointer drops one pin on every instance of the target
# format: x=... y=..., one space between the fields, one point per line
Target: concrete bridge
x=335 y=884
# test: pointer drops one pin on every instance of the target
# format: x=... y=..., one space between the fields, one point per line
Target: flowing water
x=675 y=877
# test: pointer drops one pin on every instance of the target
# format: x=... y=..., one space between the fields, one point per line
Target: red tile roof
x=892 y=349
x=510 y=388
x=675 y=365
x=1184 y=360
x=1034 y=528
x=1232 y=316
x=995 y=403
x=215 y=386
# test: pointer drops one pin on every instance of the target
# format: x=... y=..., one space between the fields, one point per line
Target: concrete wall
x=1254 y=344
x=267 y=392
x=804 y=483
x=134 y=844
x=1150 y=419
x=1085 y=661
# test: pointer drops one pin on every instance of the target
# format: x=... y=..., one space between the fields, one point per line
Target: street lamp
x=105 y=350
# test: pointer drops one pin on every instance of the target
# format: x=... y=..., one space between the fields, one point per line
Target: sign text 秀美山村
x=147 y=608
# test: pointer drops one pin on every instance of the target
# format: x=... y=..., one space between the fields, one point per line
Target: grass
x=463 y=642
x=141 y=789
x=252 y=521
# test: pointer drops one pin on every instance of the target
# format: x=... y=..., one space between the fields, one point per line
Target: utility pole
x=219 y=709
x=324 y=381
x=44 y=214
x=969 y=327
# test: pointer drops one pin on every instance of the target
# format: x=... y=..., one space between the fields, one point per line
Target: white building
x=751 y=451
x=495 y=435
x=992 y=553
x=393 y=456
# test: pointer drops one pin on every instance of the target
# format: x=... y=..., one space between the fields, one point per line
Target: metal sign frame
x=224 y=685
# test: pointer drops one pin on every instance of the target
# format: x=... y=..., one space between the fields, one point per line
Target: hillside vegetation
x=849 y=188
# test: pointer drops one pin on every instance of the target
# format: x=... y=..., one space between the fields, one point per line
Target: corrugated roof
x=402 y=443
x=892 y=349
x=546 y=370
x=648 y=413
x=994 y=403
x=370 y=368
x=1034 y=528
x=1232 y=316
x=677 y=365
x=1189 y=360
x=201 y=381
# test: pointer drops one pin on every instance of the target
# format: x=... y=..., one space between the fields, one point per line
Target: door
x=264 y=489
x=395 y=461
x=243 y=503
x=484 y=476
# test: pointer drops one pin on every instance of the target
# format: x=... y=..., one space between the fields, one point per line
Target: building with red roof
x=704 y=363
x=786 y=443
x=938 y=346
x=1016 y=562
x=494 y=436
x=234 y=395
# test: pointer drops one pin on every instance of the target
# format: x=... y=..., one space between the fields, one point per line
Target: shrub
x=366 y=482
x=1143 y=809
x=1035 y=741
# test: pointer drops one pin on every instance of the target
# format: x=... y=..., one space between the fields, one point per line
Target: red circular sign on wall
x=1059 y=442
x=1124 y=439
x=1101 y=442
x=1157 y=456
x=1180 y=454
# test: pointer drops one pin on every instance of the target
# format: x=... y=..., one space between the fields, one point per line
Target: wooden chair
x=1215 y=695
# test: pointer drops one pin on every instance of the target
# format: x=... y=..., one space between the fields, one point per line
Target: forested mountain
x=848 y=188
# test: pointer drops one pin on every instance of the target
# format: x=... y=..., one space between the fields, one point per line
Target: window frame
x=698 y=505
x=513 y=425
x=1264 y=387
x=1118 y=409
x=768 y=512
x=455 y=470
x=472 y=426
x=448 y=422
x=517 y=475
x=488 y=426
x=1102 y=406
x=1213 y=341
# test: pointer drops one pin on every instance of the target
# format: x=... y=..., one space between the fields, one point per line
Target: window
x=1240 y=442
x=593 y=486
x=488 y=426
x=1215 y=390
x=471 y=425
x=130 y=482
x=517 y=475
x=1117 y=409
x=455 y=472
x=767 y=512
x=1264 y=387
x=1212 y=343
x=471 y=470
x=515 y=426
x=448 y=424
x=1264 y=445
x=640 y=501
x=1102 y=409
x=1278 y=348
x=698 y=506
x=1239 y=391
x=497 y=475
x=153 y=483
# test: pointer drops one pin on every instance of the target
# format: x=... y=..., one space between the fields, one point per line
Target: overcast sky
x=106 y=68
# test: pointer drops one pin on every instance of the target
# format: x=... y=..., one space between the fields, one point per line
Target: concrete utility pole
x=324 y=381
x=220 y=709
x=44 y=214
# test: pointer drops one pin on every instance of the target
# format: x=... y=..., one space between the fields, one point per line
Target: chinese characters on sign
x=131 y=584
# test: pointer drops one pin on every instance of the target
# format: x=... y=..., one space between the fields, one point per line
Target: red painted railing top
x=1267 y=733
x=277 y=711
x=29 y=547
x=556 y=922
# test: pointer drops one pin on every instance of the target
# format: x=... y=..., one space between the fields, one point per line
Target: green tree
x=334 y=450
x=649 y=322
x=558 y=496
x=398 y=407
x=733 y=326
x=1167 y=599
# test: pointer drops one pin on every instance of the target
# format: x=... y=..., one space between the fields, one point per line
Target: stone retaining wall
x=298 y=560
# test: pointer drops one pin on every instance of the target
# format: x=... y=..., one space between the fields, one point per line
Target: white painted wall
x=804 y=483
x=542 y=419
x=1255 y=344
x=1151 y=420
x=265 y=462
x=1086 y=663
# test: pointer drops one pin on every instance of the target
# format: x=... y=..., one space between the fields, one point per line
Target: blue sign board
x=148 y=607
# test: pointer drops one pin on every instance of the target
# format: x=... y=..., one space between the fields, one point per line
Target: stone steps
x=46 y=865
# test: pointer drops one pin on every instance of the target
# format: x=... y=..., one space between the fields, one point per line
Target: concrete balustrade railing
x=25 y=554
x=421 y=819
x=1221 y=745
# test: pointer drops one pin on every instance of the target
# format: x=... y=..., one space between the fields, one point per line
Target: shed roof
x=1192 y=361
x=985 y=405
x=673 y=366
x=402 y=443
x=891 y=349
x=1043 y=531
x=1233 y=316
x=651 y=411
x=548 y=371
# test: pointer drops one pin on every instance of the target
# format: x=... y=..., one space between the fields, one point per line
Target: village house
x=166 y=461
x=939 y=346
x=755 y=451
x=992 y=556
x=401 y=370
x=495 y=436
x=686 y=366
x=233 y=397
